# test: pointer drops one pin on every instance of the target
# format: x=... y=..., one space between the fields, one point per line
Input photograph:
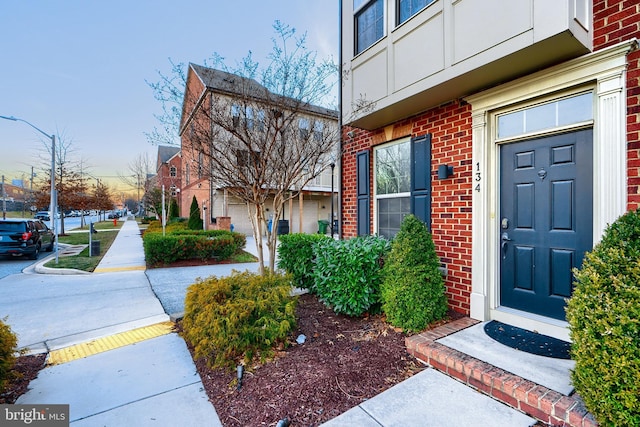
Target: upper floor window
x=407 y=8
x=173 y=172
x=369 y=23
x=303 y=128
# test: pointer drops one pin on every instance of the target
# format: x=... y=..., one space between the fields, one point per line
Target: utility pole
x=4 y=200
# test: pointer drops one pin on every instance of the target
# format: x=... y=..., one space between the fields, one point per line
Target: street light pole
x=53 y=206
x=333 y=166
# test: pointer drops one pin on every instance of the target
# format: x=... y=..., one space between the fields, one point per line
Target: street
x=14 y=265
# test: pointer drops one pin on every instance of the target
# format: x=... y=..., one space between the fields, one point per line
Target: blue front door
x=546 y=219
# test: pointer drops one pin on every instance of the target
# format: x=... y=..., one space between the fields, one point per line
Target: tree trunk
x=257 y=232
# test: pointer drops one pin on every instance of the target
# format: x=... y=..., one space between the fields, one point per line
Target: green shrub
x=174 y=212
x=8 y=344
x=195 y=221
x=170 y=227
x=238 y=317
x=348 y=273
x=159 y=249
x=604 y=321
x=295 y=256
x=412 y=289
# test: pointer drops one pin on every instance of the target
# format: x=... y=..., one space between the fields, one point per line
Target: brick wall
x=450 y=127
x=616 y=21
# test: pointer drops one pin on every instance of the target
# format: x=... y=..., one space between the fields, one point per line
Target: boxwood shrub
x=348 y=273
x=238 y=317
x=604 y=319
x=179 y=245
x=8 y=344
x=412 y=289
x=295 y=256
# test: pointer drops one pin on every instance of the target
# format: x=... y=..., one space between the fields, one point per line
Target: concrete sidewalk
x=109 y=368
x=155 y=382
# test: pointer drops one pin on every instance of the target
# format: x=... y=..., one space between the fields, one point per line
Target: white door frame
x=604 y=72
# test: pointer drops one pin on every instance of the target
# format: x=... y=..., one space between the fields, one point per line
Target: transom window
x=369 y=23
x=407 y=8
x=392 y=165
x=564 y=112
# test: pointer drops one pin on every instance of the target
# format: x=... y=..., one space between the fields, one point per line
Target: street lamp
x=53 y=206
x=333 y=166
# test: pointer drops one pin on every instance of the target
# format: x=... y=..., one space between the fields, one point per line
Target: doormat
x=530 y=342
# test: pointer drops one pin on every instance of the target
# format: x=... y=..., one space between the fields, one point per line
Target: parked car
x=25 y=237
x=42 y=215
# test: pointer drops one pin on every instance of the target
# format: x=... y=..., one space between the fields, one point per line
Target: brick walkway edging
x=537 y=401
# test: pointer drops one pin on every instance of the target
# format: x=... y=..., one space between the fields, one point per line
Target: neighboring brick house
x=206 y=86
x=169 y=172
x=509 y=126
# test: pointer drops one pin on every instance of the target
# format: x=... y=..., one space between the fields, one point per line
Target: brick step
x=542 y=403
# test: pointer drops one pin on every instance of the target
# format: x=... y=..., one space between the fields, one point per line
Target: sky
x=78 y=69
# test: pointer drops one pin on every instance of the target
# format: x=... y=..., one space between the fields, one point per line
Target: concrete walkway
x=155 y=382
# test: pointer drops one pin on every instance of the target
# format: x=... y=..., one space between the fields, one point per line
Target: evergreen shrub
x=8 y=344
x=239 y=317
x=348 y=273
x=412 y=289
x=195 y=220
x=174 y=211
x=179 y=245
x=604 y=321
x=295 y=256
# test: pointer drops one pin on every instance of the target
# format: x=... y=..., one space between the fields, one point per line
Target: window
x=235 y=115
x=187 y=174
x=563 y=112
x=369 y=23
x=173 y=191
x=318 y=131
x=392 y=165
x=173 y=172
x=407 y=8
x=401 y=185
x=200 y=165
x=303 y=128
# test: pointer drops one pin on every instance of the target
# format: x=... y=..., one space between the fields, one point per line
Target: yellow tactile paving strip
x=78 y=351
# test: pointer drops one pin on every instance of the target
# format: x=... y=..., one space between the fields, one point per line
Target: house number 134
x=478 y=177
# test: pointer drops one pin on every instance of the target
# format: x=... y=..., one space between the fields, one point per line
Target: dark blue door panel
x=546 y=212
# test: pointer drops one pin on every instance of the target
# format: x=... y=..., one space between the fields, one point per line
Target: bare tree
x=67 y=179
x=265 y=141
x=136 y=175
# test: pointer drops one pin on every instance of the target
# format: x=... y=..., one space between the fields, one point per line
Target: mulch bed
x=343 y=362
x=25 y=370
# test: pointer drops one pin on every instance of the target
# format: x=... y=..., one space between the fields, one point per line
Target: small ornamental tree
x=195 y=221
x=604 y=321
x=412 y=288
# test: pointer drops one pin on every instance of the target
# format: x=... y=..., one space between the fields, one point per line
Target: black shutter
x=362 y=189
x=421 y=178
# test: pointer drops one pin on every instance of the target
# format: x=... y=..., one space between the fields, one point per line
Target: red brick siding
x=450 y=127
x=616 y=21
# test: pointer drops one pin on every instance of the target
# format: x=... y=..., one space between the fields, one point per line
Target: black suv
x=25 y=237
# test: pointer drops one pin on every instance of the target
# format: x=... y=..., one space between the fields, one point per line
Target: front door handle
x=505 y=238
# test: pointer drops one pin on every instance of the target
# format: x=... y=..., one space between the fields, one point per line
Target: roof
x=166 y=152
x=222 y=81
